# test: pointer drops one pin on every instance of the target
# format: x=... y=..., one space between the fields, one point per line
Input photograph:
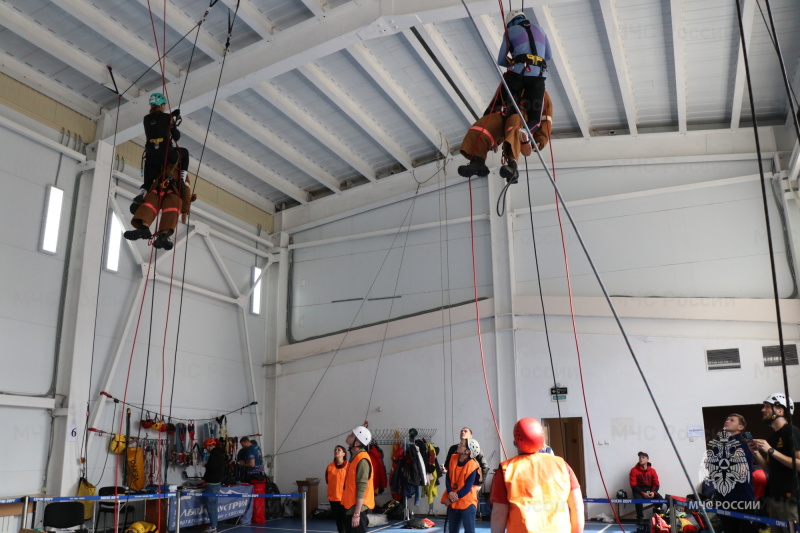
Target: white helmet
x=779 y=399
x=363 y=435
x=512 y=15
x=474 y=448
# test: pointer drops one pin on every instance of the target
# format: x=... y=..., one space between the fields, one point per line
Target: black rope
x=773 y=270
x=541 y=300
x=141 y=408
x=501 y=199
x=194 y=47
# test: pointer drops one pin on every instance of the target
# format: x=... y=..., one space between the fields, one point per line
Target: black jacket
x=480 y=458
x=215 y=466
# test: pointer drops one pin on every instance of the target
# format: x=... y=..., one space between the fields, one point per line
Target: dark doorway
x=714 y=417
x=568 y=443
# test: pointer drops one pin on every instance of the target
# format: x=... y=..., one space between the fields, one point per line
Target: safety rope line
x=773 y=36
x=478 y=318
x=596 y=273
x=763 y=182
x=352 y=323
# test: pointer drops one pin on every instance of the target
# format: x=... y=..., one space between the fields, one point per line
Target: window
x=52 y=219
x=114 y=242
x=723 y=359
x=255 y=297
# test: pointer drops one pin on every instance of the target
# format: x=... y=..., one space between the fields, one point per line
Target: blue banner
x=233 y=501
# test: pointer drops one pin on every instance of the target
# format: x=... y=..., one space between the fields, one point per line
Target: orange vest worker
x=538 y=487
x=349 y=489
x=458 y=475
x=334 y=477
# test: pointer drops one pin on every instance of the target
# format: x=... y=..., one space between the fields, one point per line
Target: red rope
x=578 y=346
x=478 y=319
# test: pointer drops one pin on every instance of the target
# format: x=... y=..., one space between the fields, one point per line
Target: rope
x=773 y=270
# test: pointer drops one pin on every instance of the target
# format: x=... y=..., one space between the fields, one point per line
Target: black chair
x=108 y=507
x=63 y=515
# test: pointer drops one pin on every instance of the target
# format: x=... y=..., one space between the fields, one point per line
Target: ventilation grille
x=723 y=359
x=772 y=354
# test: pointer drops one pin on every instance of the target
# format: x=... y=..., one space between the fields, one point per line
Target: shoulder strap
x=527 y=25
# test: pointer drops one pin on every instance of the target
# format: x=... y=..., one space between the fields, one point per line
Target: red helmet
x=212 y=442
x=529 y=435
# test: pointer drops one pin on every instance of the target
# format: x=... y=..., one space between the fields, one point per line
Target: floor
x=282 y=525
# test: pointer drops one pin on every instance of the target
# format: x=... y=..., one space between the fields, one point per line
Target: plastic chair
x=107 y=507
x=63 y=515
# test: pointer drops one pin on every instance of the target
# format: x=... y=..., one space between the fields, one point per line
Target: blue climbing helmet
x=157 y=99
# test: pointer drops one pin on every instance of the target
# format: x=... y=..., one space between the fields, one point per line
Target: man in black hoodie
x=215 y=469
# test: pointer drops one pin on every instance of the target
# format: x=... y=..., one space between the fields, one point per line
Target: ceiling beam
x=110 y=29
x=243 y=161
x=348 y=105
x=178 y=21
x=679 y=60
x=41 y=37
x=383 y=78
x=253 y=17
x=560 y=64
x=299 y=116
x=269 y=139
x=296 y=46
x=488 y=32
x=611 y=20
x=437 y=73
x=433 y=39
x=45 y=85
x=317 y=7
x=740 y=83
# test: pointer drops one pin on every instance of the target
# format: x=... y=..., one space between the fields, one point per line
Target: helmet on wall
x=209 y=442
x=363 y=435
x=529 y=435
x=779 y=399
x=474 y=448
x=513 y=15
x=157 y=99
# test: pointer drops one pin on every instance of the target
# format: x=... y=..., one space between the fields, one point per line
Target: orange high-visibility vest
x=458 y=475
x=538 y=487
x=349 y=489
x=334 y=477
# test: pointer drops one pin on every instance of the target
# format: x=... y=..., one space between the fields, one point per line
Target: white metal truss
x=560 y=64
x=381 y=76
x=740 y=83
x=611 y=21
x=317 y=7
x=679 y=60
x=145 y=53
x=251 y=16
x=59 y=48
x=348 y=105
x=297 y=114
x=182 y=24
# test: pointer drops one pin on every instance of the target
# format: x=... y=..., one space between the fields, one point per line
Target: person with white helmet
x=461 y=486
x=775 y=455
x=358 y=492
x=538 y=482
x=524 y=52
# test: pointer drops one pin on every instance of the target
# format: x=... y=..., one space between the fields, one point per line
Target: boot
x=137 y=201
x=142 y=232
x=476 y=167
x=162 y=242
x=509 y=171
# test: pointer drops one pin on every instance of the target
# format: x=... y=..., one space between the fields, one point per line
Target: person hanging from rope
x=161 y=132
x=500 y=125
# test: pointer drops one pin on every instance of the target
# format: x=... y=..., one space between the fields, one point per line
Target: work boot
x=142 y=232
x=137 y=201
x=476 y=167
x=162 y=241
x=509 y=171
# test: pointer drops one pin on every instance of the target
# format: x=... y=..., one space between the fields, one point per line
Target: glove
x=176 y=112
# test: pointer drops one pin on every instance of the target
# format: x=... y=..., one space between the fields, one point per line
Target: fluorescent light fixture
x=52 y=219
x=114 y=243
x=255 y=298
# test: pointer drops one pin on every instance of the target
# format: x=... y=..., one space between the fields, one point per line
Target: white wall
x=213 y=372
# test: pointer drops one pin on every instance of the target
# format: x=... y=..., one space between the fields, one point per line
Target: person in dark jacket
x=466 y=433
x=215 y=469
x=644 y=484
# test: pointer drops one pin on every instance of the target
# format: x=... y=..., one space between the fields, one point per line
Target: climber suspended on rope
x=500 y=125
